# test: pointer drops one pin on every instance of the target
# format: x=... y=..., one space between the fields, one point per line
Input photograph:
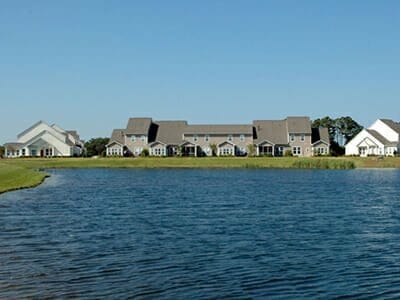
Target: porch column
x=257 y=150
x=195 y=150
x=273 y=150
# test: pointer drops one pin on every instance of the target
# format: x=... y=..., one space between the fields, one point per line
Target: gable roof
x=170 y=132
x=118 y=135
x=393 y=125
x=320 y=134
x=299 y=125
x=274 y=131
x=378 y=136
x=219 y=129
x=138 y=126
x=30 y=128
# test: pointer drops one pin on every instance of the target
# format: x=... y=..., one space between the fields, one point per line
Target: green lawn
x=21 y=173
x=13 y=177
x=183 y=162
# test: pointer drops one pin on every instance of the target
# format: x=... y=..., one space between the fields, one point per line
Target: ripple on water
x=203 y=234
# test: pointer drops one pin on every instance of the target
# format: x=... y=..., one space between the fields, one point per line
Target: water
x=193 y=234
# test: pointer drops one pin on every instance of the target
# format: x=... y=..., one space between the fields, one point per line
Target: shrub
x=310 y=163
x=145 y=153
x=288 y=153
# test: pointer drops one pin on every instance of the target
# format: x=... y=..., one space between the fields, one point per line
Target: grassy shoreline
x=14 y=177
x=22 y=173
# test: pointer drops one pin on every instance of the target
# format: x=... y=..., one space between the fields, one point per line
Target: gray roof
x=74 y=133
x=272 y=131
x=393 y=125
x=117 y=136
x=378 y=136
x=219 y=129
x=16 y=146
x=138 y=126
x=30 y=128
x=298 y=125
x=170 y=132
x=320 y=134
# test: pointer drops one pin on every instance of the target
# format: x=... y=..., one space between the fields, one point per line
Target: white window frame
x=207 y=138
x=143 y=138
x=195 y=138
x=292 y=138
x=133 y=138
x=302 y=138
x=296 y=150
x=242 y=137
x=230 y=138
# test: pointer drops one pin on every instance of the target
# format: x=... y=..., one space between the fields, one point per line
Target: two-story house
x=44 y=140
x=381 y=138
x=170 y=138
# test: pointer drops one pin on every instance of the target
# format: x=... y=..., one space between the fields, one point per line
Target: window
x=226 y=151
x=206 y=138
x=195 y=138
x=33 y=152
x=23 y=152
x=133 y=138
x=242 y=137
x=302 y=138
x=230 y=138
x=292 y=138
x=143 y=138
x=280 y=150
x=17 y=152
x=296 y=150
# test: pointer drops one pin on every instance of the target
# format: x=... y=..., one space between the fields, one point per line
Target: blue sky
x=90 y=65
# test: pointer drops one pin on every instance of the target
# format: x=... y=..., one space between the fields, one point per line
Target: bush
x=145 y=153
x=288 y=153
x=315 y=163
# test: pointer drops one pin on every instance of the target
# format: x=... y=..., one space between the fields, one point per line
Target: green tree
x=341 y=130
x=2 y=150
x=96 y=146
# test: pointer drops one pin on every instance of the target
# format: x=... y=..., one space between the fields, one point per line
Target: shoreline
x=22 y=173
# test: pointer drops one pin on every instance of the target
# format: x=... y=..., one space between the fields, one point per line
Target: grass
x=13 y=177
x=183 y=162
x=22 y=173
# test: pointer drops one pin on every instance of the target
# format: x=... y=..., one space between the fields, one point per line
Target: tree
x=96 y=146
x=341 y=130
x=2 y=150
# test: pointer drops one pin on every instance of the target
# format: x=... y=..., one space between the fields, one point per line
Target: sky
x=90 y=65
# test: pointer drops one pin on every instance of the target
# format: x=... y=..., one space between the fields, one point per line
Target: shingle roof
x=298 y=125
x=320 y=134
x=393 y=125
x=170 y=132
x=30 y=128
x=118 y=135
x=219 y=129
x=378 y=136
x=272 y=131
x=138 y=126
x=13 y=145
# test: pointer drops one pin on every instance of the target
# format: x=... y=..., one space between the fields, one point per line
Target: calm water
x=184 y=234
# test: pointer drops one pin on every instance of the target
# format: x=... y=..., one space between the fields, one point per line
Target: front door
x=363 y=151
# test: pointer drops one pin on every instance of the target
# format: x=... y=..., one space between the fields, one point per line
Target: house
x=381 y=138
x=168 y=138
x=227 y=140
x=171 y=138
x=293 y=135
x=43 y=140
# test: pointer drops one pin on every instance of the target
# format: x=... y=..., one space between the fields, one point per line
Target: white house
x=381 y=138
x=43 y=140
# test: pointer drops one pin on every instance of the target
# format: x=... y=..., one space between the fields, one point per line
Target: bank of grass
x=13 y=177
x=22 y=173
x=184 y=162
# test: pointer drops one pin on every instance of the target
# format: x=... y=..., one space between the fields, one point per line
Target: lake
x=196 y=234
